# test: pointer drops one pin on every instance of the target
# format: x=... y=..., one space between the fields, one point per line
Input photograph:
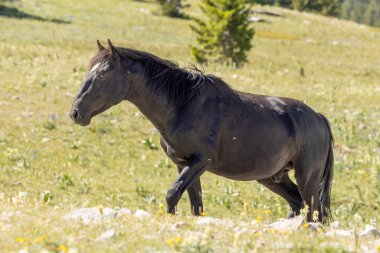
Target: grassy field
x=49 y=166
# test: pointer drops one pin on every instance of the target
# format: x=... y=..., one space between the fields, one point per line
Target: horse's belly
x=242 y=173
x=252 y=164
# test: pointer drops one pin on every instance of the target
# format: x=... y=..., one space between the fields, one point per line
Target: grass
x=332 y=65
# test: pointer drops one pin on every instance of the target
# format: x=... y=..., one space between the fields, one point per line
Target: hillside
x=45 y=46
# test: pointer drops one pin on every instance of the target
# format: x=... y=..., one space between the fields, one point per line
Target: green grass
x=112 y=163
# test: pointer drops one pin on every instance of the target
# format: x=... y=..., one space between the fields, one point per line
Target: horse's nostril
x=75 y=113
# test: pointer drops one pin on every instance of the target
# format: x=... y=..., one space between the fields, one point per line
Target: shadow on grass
x=12 y=12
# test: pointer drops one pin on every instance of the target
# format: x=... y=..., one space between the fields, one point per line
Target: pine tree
x=372 y=14
x=346 y=9
x=329 y=7
x=300 y=4
x=171 y=8
x=225 y=35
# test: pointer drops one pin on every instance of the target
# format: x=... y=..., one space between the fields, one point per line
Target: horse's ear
x=115 y=53
x=100 y=46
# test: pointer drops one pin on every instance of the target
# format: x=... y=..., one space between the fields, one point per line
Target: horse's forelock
x=101 y=56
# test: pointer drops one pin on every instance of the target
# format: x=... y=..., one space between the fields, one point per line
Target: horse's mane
x=166 y=77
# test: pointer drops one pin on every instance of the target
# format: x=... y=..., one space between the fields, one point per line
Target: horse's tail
x=325 y=187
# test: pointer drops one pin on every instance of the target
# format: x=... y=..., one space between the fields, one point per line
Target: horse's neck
x=155 y=107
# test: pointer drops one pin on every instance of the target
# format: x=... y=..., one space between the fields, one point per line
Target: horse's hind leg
x=308 y=173
x=286 y=189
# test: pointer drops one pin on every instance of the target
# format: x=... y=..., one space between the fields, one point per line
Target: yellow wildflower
x=161 y=209
x=259 y=218
x=23 y=240
x=306 y=225
x=203 y=214
x=39 y=239
x=63 y=248
x=267 y=212
x=173 y=242
x=257 y=234
x=19 y=239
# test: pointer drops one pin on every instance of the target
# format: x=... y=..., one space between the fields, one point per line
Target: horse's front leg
x=187 y=177
x=195 y=194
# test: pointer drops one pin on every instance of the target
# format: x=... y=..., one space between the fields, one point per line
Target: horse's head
x=106 y=84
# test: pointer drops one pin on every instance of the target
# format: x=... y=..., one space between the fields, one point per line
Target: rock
x=209 y=220
x=91 y=215
x=141 y=214
x=335 y=225
x=123 y=212
x=22 y=195
x=370 y=231
x=268 y=12
x=108 y=212
x=87 y=215
x=315 y=226
x=181 y=224
x=257 y=20
x=340 y=232
x=106 y=235
x=25 y=250
x=284 y=225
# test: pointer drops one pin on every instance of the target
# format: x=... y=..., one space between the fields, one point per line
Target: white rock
x=209 y=220
x=87 y=215
x=73 y=250
x=370 y=231
x=22 y=195
x=123 y=212
x=106 y=235
x=340 y=232
x=181 y=224
x=335 y=224
x=23 y=250
x=283 y=245
x=108 y=212
x=142 y=214
x=283 y=225
x=91 y=215
x=316 y=226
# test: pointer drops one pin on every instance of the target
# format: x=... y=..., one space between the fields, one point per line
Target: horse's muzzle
x=78 y=118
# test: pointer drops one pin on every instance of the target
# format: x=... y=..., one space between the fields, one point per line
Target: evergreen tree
x=225 y=35
x=284 y=3
x=346 y=9
x=358 y=11
x=300 y=4
x=171 y=8
x=329 y=7
x=372 y=14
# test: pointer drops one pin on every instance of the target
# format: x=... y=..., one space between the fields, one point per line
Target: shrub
x=225 y=35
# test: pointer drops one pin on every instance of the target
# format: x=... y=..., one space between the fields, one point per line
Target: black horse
x=207 y=125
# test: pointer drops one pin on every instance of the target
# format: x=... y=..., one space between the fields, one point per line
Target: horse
x=204 y=124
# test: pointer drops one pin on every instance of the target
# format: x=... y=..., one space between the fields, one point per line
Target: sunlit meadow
x=49 y=166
